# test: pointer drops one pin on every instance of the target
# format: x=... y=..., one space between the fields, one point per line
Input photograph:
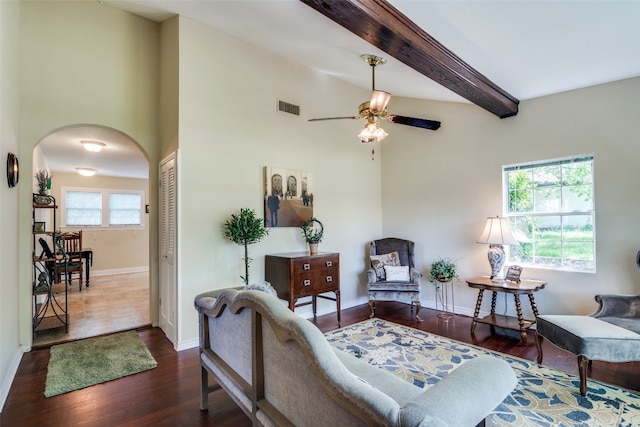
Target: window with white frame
x=550 y=208
x=102 y=208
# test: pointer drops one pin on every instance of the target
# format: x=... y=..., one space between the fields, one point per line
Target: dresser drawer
x=306 y=265
x=314 y=282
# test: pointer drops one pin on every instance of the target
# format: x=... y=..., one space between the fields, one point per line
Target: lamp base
x=496 y=261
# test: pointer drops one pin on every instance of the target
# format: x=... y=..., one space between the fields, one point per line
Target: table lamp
x=497 y=233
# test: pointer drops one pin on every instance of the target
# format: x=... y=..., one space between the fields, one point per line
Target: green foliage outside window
x=550 y=208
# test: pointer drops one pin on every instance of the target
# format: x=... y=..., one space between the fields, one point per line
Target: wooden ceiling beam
x=385 y=27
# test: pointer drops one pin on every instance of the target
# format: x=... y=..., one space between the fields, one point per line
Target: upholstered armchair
x=392 y=275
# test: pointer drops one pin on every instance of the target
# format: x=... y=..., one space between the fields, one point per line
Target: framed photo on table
x=513 y=274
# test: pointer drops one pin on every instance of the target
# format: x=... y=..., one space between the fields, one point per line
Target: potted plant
x=245 y=229
x=443 y=270
x=43 y=179
x=312 y=230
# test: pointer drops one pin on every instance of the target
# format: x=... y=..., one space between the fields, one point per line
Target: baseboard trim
x=11 y=374
x=143 y=269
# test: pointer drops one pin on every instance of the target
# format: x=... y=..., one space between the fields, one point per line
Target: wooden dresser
x=298 y=274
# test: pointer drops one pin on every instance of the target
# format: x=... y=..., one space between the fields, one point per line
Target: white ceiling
x=529 y=48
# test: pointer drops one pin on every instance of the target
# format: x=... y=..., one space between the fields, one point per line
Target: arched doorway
x=118 y=293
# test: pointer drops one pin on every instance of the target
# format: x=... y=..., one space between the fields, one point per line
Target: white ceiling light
x=93 y=146
x=86 y=171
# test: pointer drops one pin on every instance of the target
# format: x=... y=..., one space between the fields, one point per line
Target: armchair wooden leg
x=372 y=307
x=418 y=307
x=538 y=339
x=582 y=369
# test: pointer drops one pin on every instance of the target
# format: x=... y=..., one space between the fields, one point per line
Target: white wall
x=439 y=187
x=9 y=244
x=230 y=129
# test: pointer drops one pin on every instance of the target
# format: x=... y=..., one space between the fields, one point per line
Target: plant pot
x=42 y=199
x=313 y=248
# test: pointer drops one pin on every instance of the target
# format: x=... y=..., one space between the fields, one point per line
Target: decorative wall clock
x=12 y=170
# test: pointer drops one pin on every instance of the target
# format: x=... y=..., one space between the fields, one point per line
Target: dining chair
x=71 y=242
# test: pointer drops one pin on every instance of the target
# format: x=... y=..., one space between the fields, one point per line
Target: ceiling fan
x=376 y=109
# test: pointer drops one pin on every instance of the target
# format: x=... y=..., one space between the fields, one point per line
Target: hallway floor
x=110 y=304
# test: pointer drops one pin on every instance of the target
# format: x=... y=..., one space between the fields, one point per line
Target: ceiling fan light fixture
x=86 y=171
x=379 y=101
x=93 y=146
x=372 y=133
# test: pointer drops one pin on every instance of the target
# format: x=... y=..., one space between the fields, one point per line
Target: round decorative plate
x=12 y=170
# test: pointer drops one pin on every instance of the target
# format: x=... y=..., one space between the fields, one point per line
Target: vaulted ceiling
x=490 y=52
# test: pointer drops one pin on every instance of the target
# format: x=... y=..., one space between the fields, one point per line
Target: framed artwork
x=288 y=197
x=513 y=273
x=38 y=227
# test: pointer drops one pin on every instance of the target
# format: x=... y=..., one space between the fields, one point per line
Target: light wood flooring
x=110 y=304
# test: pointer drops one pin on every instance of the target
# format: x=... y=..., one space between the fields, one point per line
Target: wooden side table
x=298 y=274
x=521 y=324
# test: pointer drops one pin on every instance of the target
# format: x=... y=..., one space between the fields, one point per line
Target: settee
x=281 y=371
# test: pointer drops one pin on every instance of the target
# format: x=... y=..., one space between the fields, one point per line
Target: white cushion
x=397 y=273
x=379 y=261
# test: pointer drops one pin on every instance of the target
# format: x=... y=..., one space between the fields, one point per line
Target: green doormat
x=84 y=363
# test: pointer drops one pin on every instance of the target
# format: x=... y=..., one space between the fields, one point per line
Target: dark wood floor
x=168 y=395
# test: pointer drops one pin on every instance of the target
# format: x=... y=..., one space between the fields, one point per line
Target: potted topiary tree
x=245 y=229
x=312 y=230
x=443 y=270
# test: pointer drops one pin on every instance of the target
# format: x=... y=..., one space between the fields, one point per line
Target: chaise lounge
x=611 y=334
x=281 y=371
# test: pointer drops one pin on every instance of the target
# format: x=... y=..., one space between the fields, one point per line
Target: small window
x=107 y=209
x=551 y=211
x=125 y=209
x=83 y=208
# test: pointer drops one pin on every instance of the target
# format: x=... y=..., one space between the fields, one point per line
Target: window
x=83 y=208
x=124 y=209
x=551 y=211
x=101 y=208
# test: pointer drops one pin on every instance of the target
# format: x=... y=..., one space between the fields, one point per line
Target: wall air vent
x=287 y=107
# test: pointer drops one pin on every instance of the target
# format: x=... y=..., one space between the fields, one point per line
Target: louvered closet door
x=168 y=273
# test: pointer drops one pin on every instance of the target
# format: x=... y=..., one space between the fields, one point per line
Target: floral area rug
x=543 y=396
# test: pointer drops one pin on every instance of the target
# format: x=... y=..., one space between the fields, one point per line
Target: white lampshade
x=497 y=232
x=86 y=171
x=93 y=146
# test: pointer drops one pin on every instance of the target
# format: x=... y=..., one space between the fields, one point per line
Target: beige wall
x=439 y=187
x=86 y=63
x=433 y=187
x=230 y=129
x=9 y=240
x=114 y=251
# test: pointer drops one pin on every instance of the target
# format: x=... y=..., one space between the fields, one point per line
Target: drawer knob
x=329 y=279
x=306 y=266
x=328 y=264
x=306 y=282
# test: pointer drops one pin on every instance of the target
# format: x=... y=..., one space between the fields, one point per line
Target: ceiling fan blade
x=411 y=121
x=334 y=118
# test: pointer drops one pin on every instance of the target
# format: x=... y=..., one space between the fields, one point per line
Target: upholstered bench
x=588 y=337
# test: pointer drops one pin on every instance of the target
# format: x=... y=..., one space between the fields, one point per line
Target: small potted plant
x=44 y=181
x=245 y=229
x=443 y=270
x=312 y=230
